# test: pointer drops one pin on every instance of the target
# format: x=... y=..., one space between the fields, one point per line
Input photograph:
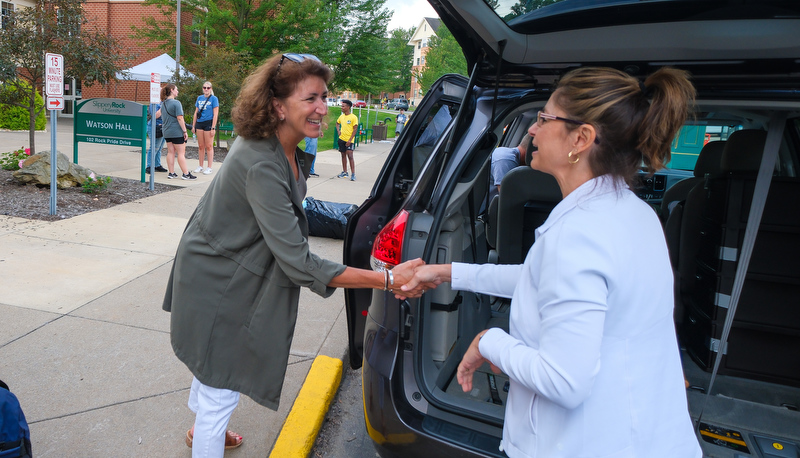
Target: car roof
x=710 y=38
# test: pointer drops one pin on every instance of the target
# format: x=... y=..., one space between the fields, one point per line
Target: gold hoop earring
x=577 y=157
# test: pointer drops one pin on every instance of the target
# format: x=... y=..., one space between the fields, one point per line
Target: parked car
x=431 y=201
x=359 y=104
x=396 y=104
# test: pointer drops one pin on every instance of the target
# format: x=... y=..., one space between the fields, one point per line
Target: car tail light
x=388 y=246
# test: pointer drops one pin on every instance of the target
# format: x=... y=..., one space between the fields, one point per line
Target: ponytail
x=672 y=97
x=631 y=128
x=166 y=91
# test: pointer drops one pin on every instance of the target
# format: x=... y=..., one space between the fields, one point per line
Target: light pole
x=178 y=43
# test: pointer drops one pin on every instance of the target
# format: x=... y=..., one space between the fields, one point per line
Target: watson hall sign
x=111 y=122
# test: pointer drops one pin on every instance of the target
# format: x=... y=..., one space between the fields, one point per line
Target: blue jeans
x=311 y=148
x=159 y=146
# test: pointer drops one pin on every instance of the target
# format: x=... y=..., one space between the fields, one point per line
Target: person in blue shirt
x=400 y=122
x=158 y=143
x=311 y=147
x=204 y=126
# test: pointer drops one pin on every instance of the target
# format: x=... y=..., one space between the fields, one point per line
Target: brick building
x=117 y=17
x=419 y=40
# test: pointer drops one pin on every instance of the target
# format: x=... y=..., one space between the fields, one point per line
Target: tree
x=444 y=56
x=400 y=62
x=226 y=70
x=526 y=6
x=60 y=27
x=254 y=29
x=362 y=63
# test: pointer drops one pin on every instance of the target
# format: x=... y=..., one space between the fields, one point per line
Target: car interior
x=704 y=212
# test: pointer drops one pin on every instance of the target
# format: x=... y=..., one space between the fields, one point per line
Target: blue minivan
x=729 y=204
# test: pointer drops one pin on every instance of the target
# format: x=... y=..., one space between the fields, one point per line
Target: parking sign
x=54 y=74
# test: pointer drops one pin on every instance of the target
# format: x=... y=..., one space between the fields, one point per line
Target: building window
x=424 y=43
x=423 y=60
x=7 y=11
x=417 y=60
x=419 y=45
x=196 y=35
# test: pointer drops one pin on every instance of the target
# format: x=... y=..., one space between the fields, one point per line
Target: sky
x=408 y=13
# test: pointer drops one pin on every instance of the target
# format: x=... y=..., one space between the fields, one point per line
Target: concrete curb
x=299 y=432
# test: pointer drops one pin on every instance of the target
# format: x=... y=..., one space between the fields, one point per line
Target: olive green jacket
x=235 y=283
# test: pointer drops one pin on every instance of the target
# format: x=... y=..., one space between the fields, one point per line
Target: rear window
x=691 y=139
x=542 y=16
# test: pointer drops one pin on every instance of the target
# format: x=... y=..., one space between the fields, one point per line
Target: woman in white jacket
x=591 y=350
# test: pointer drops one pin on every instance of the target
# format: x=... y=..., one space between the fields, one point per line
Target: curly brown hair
x=253 y=114
x=635 y=123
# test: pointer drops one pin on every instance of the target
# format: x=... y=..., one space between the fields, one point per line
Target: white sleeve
x=561 y=362
x=494 y=279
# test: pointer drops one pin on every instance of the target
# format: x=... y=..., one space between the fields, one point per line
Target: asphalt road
x=343 y=434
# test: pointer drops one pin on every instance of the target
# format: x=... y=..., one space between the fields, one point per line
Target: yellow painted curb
x=305 y=419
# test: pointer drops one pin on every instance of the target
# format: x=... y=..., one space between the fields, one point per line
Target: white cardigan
x=591 y=351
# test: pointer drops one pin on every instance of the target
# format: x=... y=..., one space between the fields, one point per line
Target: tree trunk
x=32 y=121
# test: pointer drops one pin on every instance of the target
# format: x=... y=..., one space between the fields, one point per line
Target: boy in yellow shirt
x=346 y=127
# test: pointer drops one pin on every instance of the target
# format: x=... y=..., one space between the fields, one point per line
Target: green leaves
x=445 y=56
x=56 y=26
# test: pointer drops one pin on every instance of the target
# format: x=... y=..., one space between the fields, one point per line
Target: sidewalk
x=84 y=343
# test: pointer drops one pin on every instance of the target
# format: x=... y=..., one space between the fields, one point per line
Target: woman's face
x=303 y=110
x=552 y=142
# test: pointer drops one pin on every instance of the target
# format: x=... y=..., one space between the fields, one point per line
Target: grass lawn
x=327 y=141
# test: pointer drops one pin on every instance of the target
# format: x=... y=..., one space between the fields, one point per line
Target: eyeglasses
x=542 y=117
x=295 y=58
x=206 y=87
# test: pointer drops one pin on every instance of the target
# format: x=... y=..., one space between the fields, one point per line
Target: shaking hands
x=415 y=278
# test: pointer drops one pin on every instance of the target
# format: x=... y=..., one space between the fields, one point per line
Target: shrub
x=95 y=184
x=13 y=117
x=12 y=160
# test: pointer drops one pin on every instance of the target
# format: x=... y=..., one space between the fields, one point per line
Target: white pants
x=213 y=408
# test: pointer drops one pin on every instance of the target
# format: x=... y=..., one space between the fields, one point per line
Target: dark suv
x=397 y=104
x=728 y=200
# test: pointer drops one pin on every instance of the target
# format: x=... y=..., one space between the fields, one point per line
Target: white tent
x=163 y=64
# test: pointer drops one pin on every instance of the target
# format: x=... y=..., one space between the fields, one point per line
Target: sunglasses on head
x=295 y=58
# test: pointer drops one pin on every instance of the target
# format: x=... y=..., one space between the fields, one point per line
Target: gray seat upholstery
x=708 y=162
x=526 y=198
x=741 y=154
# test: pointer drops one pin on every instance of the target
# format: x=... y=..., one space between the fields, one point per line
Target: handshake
x=412 y=278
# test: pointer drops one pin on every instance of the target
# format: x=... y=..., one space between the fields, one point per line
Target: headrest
x=709 y=159
x=743 y=151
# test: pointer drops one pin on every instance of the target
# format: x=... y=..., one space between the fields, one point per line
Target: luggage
x=327 y=219
x=15 y=437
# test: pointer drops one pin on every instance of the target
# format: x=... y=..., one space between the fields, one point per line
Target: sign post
x=155 y=97
x=54 y=87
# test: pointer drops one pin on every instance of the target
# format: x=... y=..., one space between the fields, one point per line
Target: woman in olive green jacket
x=235 y=283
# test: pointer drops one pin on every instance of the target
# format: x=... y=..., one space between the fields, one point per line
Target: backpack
x=15 y=437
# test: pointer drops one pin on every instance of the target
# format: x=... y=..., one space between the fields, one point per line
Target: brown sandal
x=232 y=440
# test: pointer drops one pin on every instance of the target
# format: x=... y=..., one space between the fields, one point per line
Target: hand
x=471 y=361
x=404 y=272
x=425 y=277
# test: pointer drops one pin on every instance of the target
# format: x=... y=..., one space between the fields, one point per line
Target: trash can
x=379 y=132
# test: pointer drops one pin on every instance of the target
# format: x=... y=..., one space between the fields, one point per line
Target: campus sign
x=111 y=122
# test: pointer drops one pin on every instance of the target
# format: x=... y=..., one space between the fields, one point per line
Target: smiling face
x=303 y=110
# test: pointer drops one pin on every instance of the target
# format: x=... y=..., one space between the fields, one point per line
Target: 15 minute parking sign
x=54 y=75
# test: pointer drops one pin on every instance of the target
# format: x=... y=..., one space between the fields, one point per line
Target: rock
x=36 y=170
